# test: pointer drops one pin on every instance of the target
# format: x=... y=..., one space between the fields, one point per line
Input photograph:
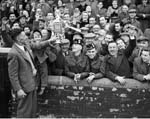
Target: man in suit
x=141 y=66
x=22 y=74
x=117 y=64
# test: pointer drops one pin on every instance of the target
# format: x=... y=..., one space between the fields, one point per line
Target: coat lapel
x=21 y=53
x=118 y=63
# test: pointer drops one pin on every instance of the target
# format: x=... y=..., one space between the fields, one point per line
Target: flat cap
x=142 y=38
x=132 y=10
x=89 y=36
x=64 y=41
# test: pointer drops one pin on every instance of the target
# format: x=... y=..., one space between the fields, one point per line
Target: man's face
x=117 y=27
x=22 y=38
x=142 y=44
x=100 y=5
x=92 y=21
x=15 y=25
x=85 y=16
x=67 y=17
x=37 y=36
x=145 y=56
x=76 y=48
x=50 y=16
x=91 y=53
x=22 y=20
x=108 y=38
x=113 y=49
x=132 y=15
x=121 y=44
x=65 y=47
x=124 y=9
x=41 y=24
x=12 y=17
x=115 y=4
x=44 y=34
x=102 y=21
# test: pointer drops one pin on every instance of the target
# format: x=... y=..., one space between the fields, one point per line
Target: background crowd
x=84 y=39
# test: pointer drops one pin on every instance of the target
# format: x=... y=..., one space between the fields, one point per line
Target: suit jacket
x=117 y=66
x=140 y=69
x=20 y=70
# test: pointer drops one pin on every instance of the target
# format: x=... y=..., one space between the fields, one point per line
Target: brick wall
x=105 y=99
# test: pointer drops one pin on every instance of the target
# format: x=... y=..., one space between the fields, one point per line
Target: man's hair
x=146 y=49
x=15 y=32
x=111 y=42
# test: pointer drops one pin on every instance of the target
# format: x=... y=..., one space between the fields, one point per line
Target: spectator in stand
x=117 y=29
x=104 y=24
x=117 y=64
x=142 y=42
x=100 y=11
x=141 y=67
x=133 y=18
x=44 y=6
x=123 y=15
x=71 y=6
x=84 y=19
x=77 y=65
x=11 y=20
x=129 y=3
x=92 y=22
x=22 y=21
x=143 y=13
x=82 y=5
x=113 y=11
x=96 y=63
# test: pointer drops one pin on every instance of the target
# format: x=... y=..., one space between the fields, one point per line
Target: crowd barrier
x=65 y=98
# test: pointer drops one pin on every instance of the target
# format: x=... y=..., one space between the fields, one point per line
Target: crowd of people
x=83 y=40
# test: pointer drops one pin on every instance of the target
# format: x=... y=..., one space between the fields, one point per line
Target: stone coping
x=104 y=82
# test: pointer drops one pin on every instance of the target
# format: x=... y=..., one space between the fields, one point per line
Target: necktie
x=31 y=62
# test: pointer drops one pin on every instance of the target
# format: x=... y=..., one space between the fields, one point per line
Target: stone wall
x=64 y=98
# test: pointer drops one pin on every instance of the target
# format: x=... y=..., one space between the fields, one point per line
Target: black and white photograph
x=75 y=59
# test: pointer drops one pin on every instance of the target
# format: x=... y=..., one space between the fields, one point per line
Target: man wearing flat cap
x=96 y=63
x=22 y=74
x=22 y=21
x=133 y=18
x=141 y=67
x=77 y=65
x=142 y=42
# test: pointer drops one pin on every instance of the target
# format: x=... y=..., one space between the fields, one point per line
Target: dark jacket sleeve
x=128 y=51
x=136 y=74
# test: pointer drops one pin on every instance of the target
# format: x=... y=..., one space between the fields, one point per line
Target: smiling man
x=141 y=67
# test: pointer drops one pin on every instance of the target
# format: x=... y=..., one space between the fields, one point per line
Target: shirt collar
x=20 y=46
